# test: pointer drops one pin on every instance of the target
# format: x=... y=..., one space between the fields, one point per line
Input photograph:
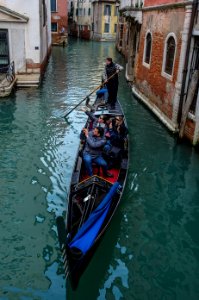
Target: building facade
x=59 y=21
x=80 y=18
x=154 y=38
x=25 y=38
x=105 y=19
x=93 y=19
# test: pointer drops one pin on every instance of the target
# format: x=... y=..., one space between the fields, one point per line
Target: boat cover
x=87 y=234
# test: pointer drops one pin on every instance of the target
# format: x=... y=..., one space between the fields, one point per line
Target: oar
x=97 y=88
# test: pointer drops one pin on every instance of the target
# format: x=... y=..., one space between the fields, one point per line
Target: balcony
x=132 y=8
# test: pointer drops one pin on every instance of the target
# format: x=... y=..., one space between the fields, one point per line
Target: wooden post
x=187 y=104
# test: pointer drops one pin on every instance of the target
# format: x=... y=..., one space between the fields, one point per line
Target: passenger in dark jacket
x=116 y=134
x=95 y=142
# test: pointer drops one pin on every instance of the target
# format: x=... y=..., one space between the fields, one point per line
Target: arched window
x=148 y=43
x=169 y=55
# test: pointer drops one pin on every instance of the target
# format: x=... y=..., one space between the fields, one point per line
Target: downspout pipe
x=194 y=11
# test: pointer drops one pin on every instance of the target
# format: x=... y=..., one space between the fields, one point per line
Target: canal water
x=151 y=250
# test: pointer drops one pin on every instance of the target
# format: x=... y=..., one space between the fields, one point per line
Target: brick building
x=59 y=21
x=156 y=39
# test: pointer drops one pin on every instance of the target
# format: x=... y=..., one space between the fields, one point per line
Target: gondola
x=92 y=202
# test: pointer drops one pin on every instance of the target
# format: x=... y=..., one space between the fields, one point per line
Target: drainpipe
x=186 y=61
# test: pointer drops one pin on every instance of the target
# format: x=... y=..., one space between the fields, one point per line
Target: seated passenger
x=116 y=134
x=97 y=121
x=95 y=142
x=103 y=93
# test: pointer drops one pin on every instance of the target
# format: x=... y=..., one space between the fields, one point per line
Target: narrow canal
x=151 y=250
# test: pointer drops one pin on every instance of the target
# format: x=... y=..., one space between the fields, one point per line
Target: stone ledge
x=162 y=117
x=28 y=80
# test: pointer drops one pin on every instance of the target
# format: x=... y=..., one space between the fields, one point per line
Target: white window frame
x=144 y=54
x=163 y=73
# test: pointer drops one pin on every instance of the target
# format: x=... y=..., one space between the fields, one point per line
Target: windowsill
x=146 y=65
x=167 y=76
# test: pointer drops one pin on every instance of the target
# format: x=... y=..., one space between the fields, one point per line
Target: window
x=121 y=34
x=76 y=11
x=84 y=11
x=54 y=27
x=89 y=11
x=44 y=12
x=80 y=13
x=115 y=27
x=106 y=27
x=169 y=55
x=53 y=5
x=4 y=50
x=116 y=10
x=147 y=50
x=107 y=10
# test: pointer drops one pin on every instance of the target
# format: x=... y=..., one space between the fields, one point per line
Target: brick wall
x=61 y=16
x=159 y=2
x=150 y=81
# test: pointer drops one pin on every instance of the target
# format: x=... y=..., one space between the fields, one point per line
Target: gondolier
x=112 y=84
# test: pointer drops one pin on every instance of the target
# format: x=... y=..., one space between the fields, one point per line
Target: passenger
x=120 y=127
x=97 y=122
x=95 y=142
x=116 y=134
x=103 y=93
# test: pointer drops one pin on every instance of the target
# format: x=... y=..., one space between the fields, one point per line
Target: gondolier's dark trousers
x=112 y=87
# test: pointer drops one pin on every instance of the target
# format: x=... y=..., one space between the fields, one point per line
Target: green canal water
x=151 y=250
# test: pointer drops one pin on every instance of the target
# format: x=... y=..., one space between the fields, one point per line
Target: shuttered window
x=107 y=10
x=106 y=27
x=4 y=50
x=53 y=5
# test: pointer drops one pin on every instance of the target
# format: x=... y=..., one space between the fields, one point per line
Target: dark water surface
x=151 y=250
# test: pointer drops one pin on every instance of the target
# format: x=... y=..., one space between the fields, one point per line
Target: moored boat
x=92 y=201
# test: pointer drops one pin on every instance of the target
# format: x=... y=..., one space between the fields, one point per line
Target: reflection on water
x=151 y=249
